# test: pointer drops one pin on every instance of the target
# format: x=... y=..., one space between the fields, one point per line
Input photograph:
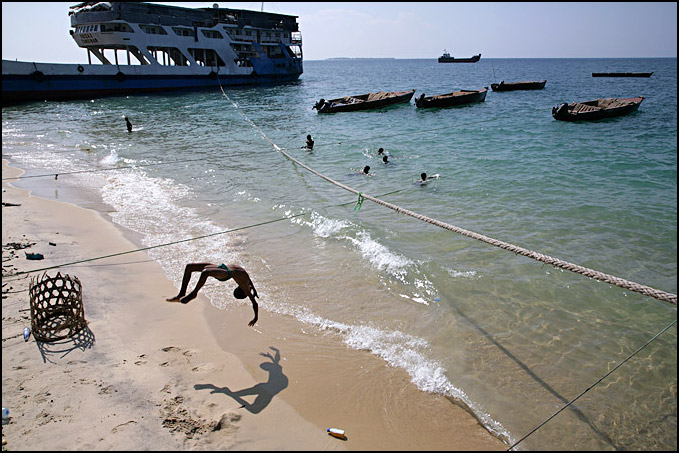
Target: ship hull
x=24 y=82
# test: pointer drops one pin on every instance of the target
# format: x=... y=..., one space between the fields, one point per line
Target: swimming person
x=380 y=152
x=424 y=178
x=129 y=125
x=309 y=142
x=385 y=159
x=366 y=169
x=221 y=272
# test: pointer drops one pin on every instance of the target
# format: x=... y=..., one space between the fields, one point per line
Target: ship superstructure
x=137 y=47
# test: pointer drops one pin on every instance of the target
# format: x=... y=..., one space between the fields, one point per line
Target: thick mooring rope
x=600 y=276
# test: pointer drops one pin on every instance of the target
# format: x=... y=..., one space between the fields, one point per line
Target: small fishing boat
x=453 y=98
x=363 y=101
x=596 y=109
x=622 y=74
x=511 y=86
x=446 y=58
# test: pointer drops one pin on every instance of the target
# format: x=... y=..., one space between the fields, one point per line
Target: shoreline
x=158 y=375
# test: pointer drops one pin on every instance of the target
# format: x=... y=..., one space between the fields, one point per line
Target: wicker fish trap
x=56 y=307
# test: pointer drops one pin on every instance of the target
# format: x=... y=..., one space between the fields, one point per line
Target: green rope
x=359 y=203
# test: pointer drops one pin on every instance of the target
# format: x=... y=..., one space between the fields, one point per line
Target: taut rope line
x=600 y=276
x=593 y=385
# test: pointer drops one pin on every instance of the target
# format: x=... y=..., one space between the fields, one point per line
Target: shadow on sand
x=264 y=391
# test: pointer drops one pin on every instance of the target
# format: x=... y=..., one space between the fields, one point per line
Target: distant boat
x=511 y=86
x=622 y=74
x=596 y=109
x=446 y=58
x=363 y=101
x=451 y=99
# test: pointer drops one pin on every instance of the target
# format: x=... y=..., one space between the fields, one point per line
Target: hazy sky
x=33 y=31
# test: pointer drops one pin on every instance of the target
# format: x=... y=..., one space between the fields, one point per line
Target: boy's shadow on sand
x=265 y=391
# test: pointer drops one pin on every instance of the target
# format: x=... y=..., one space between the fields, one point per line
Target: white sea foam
x=400 y=350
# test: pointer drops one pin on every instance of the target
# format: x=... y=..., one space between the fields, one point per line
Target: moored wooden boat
x=363 y=101
x=622 y=74
x=596 y=109
x=511 y=86
x=451 y=99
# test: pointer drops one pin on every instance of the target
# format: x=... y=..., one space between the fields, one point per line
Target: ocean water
x=512 y=339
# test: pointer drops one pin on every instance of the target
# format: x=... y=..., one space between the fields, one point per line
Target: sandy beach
x=151 y=375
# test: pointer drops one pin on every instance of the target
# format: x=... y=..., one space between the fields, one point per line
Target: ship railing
x=296 y=38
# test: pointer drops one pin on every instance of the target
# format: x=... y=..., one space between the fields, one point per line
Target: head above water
x=380 y=151
x=385 y=159
x=366 y=169
x=423 y=176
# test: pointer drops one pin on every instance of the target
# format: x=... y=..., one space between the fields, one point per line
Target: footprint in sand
x=203 y=368
x=117 y=428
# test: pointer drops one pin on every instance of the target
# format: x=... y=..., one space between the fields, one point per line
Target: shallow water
x=511 y=338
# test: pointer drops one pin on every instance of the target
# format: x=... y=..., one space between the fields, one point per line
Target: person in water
x=129 y=125
x=424 y=178
x=385 y=159
x=309 y=142
x=221 y=272
x=380 y=152
x=366 y=169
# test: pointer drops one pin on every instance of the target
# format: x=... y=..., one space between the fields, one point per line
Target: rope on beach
x=101 y=169
x=151 y=247
x=175 y=242
x=591 y=386
x=600 y=276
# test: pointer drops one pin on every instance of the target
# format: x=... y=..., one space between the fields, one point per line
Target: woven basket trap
x=56 y=307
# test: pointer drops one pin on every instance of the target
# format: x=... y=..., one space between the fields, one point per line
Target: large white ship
x=136 y=47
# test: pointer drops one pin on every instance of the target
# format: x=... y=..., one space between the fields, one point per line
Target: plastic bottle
x=27 y=333
x=335 y=432
x=5 y=413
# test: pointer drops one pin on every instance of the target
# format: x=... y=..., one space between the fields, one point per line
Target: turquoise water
x=511 y=338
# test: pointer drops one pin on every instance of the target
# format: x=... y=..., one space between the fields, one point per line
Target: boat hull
x=452 y=99
x=24 y=81
x=513 y=86
x=622 y=74
x=473 y=59
x=594 y=110
x=394 y=97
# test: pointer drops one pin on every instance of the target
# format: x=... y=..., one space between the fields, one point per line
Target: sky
x=34 y=31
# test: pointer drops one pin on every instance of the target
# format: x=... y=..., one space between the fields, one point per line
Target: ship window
x=116 y=27
x=212 y=34
x=153 y=29
x=206 y=57
x=183 y=31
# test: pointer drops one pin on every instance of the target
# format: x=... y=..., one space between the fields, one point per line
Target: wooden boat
x=511 y=86
x=622 y=74
x=363 y=101
x=596 y=109
x=446 y=58
x=453 y=98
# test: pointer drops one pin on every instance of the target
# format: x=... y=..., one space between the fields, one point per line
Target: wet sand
x=148 y=374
